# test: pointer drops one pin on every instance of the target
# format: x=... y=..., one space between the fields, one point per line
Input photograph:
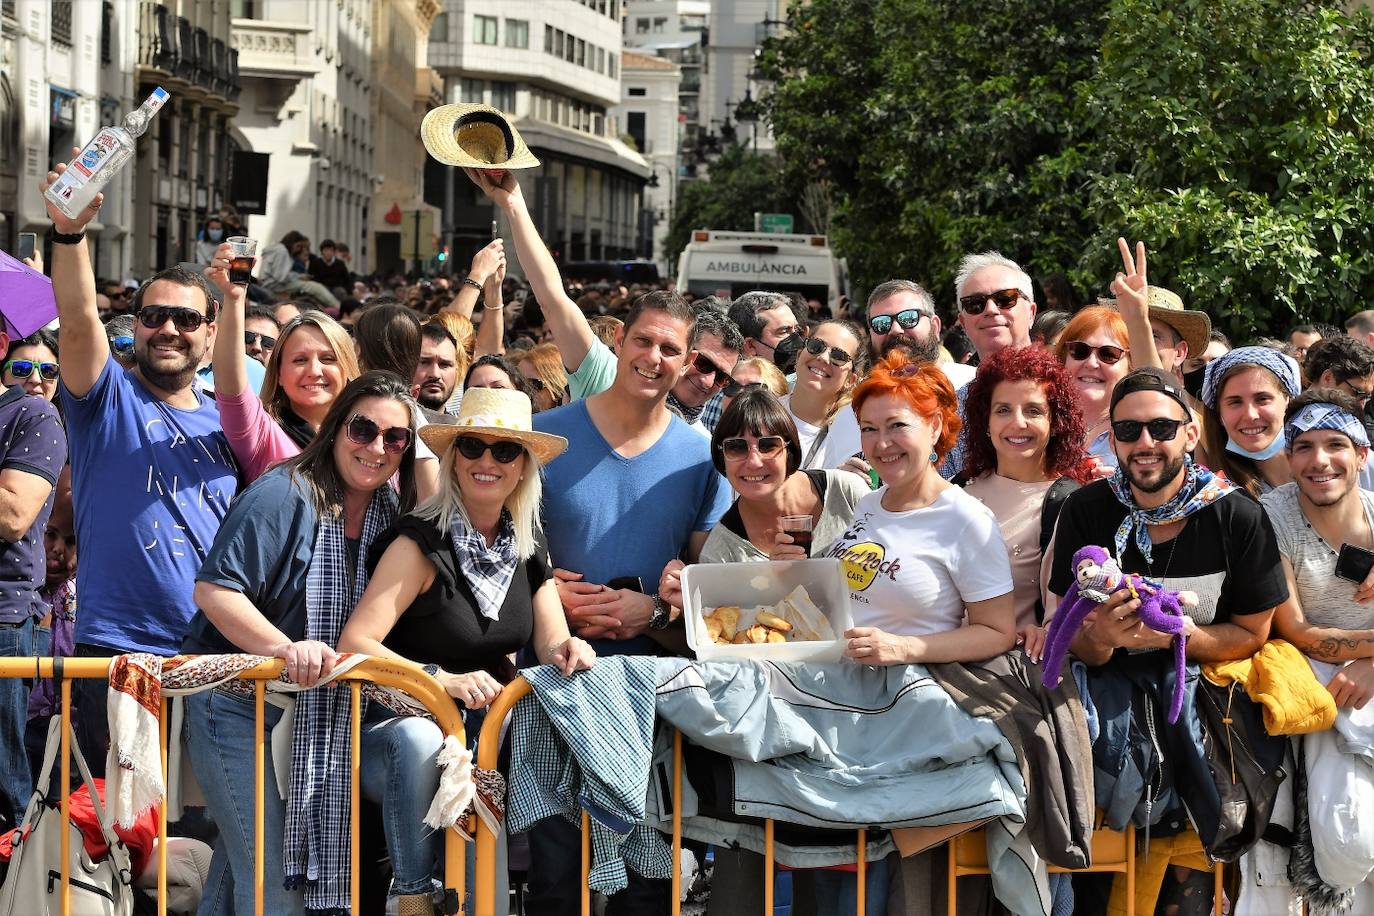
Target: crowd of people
x=317 y=464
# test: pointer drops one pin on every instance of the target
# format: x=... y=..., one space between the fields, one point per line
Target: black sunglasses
x=23 y=368
x=186 y=320
x=815 y=346
x=703 y=364
x=734 y=388
x=1162 y=429
x=737 y=448
x=471 y=448
x=363 y=430
x=1004 y=299
x=1107 y=355
x=252 y=337
x=906 y=319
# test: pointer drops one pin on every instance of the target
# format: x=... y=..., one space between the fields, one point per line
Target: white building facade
x=554 y=67
x=735 y=32
x=68 y=68
x=649 y=116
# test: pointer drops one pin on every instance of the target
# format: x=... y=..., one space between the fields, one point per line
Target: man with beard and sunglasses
x=152 y=473
x=1170 y=520
x=901 y=313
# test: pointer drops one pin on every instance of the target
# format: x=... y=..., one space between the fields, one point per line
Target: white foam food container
x=748 y=585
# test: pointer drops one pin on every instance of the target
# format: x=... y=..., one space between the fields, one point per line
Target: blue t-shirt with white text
x=150 y=485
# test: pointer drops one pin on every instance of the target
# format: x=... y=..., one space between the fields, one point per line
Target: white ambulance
x=729 y=264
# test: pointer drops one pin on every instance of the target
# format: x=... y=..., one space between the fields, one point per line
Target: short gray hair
x=972 y=263
x=711 y=320
x=889 y=288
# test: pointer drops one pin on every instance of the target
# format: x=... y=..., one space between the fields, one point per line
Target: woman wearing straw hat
x=464 y=581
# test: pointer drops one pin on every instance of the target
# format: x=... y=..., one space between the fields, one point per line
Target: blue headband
x=1284 y=368
x=1322 y=415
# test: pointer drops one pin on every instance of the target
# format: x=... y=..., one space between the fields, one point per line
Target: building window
x=659 y=23
x=611 y=66
x=637 y=91
x=106 y=28
x=242 y=9
x=634 y=126
x=517 y=33
x=472 y=90
x=548 y=39
x=62 y=21
x=503 y=97
x=484 y=30
x=558 y=42
x=600 y=60
x=570 y=49
x=642 y=25
x=439 y=30
x=581 y=57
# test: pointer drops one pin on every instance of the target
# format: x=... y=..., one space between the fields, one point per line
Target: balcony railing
x=273 y=49
x=204 y=72
x=157 y=37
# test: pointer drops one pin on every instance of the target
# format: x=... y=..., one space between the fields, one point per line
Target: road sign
x=780 y=223
x=409 y=227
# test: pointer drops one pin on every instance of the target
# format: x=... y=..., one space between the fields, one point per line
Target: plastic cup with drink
x=242 y=256
x=798 y=528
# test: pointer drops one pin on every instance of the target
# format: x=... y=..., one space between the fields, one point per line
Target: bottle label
x=86 y=164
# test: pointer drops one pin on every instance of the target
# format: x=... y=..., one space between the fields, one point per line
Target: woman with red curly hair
x=1025 y=450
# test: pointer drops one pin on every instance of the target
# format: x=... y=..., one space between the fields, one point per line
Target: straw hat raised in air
x=499 y=413
x=474 y=136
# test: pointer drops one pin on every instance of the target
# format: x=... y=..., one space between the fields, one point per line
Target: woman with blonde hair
x=543 y=368
x=1095 y=350
x=311 y=364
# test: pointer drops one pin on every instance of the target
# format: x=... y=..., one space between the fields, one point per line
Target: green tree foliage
x=928 y=118
x=1232 y=136
x=1237 y=138
x=740 y=183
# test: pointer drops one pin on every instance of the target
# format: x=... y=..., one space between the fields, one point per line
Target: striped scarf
x=317 y=843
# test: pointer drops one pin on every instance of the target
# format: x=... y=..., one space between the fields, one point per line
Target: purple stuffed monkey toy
x=1096 y=577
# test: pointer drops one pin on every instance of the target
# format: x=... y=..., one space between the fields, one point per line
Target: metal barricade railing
x=487 y=751
x=403 y=676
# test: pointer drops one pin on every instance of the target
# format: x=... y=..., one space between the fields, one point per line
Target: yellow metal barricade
x=403 y=676
x=487 y=750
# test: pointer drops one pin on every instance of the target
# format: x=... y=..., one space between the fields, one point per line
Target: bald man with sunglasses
x=152 y=473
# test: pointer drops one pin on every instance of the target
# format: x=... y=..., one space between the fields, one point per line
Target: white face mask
x=214 y=235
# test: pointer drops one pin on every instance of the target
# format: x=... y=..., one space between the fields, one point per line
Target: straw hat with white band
x=474 y=136
x=497 y=413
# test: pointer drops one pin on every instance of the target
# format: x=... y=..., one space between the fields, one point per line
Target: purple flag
x=26 y=299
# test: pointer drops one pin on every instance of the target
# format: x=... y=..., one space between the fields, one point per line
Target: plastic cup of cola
x=243 y=253
x=798 y=528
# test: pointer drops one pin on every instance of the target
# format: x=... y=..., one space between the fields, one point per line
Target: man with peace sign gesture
x=1161 y=331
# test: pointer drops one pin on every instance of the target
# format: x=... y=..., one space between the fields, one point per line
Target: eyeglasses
x=123 y=345
x=122 y=294
x=471 y=448
x=703 y=364
x=815 y=346
x=1359 y=394
x=906 y=319
x=1004 y=299
x=252 y=337
x=1107 y=355
x=737 y=448
x=362 y=430
x=23 y=368
x=1162 y=429
x=185 y=319
x=734 y=388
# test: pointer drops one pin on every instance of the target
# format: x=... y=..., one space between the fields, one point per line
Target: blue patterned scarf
x=1200 y=489
x=317 y=843
x=489 y=570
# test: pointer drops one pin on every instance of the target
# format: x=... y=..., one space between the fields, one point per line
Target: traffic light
x=443 y=254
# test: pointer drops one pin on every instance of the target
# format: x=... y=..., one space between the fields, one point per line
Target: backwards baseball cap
x=1151 y=379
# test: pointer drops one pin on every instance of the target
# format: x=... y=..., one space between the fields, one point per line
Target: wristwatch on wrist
x=475 y=284
x=63 y=238
x=431 y=670
x=662 y=615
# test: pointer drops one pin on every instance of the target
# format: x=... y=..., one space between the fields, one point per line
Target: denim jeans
x=220 y=740
x=16 y=782
x=837 y=892
x=400 y=771
x=556 y=875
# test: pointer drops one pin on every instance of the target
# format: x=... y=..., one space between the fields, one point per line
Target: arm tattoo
x=1330 y=647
